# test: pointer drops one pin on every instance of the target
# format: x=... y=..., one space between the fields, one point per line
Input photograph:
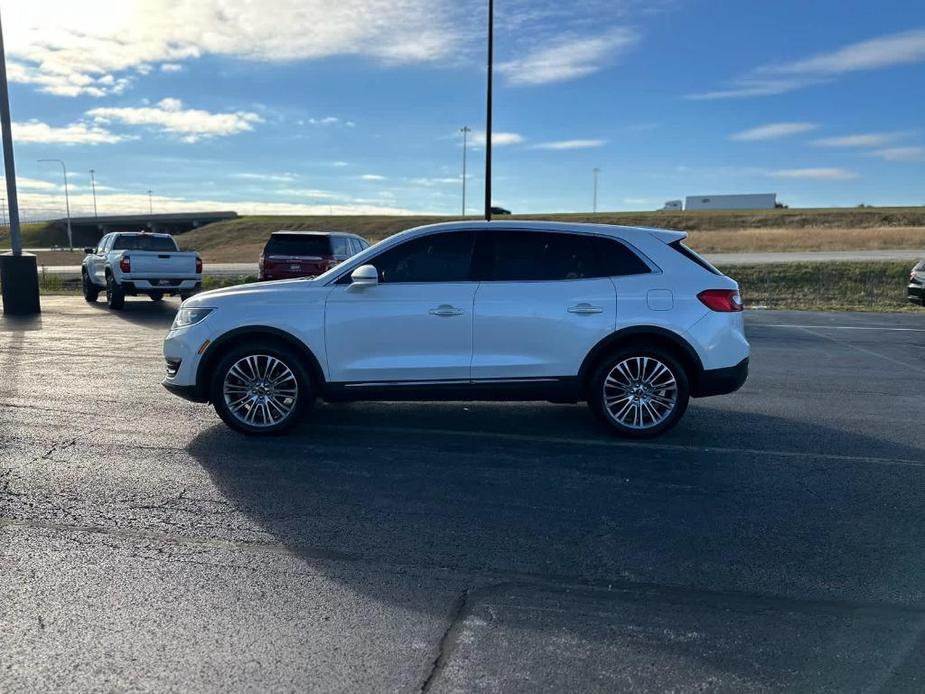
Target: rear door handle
x=585 y=308
x=445 y=310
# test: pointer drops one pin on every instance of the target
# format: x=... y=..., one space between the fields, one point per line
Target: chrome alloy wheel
x=640 y=392
x=260 y=390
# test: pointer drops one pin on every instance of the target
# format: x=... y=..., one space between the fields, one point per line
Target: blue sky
x=311 y=106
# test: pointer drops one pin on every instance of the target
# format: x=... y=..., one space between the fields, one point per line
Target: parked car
x=132 y=263
x=915 y=292
x=629 y=320
x=499 y=210
x=290 y=254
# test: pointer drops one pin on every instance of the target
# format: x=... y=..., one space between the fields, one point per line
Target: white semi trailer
x=755 y=201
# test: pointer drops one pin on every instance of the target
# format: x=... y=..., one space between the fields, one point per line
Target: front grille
x=173 y=365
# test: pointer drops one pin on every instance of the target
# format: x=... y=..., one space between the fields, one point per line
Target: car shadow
x=416 y=491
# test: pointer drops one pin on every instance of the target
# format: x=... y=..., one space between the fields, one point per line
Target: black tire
x=115 y=295
x=644 y=406
x=90 y=290
x=156 y=296
x=304 y=397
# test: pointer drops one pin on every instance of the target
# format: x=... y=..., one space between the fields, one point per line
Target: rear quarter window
x=694 y=257
x=295 y=244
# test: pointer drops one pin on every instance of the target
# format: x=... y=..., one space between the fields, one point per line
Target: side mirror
x=89 y=251
x=365 y=276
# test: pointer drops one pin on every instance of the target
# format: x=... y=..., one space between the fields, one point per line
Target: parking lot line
x=864 y=350
x=843 y=327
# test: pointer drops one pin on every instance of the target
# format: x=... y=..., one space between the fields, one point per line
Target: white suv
x=629 y=320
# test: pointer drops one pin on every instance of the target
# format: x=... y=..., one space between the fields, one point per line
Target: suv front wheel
x=261 y=389
x=639 y=392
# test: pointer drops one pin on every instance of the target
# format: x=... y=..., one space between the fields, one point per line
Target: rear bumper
x=170 y=285
x=721 y=381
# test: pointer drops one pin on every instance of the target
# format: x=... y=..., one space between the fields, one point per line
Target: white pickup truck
x=132 y=263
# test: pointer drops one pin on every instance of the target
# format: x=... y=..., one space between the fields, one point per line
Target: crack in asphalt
x=447 y=641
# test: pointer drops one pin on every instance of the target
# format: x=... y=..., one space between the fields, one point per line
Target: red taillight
x=722 y=300
x=125 y=264
x=198 y=266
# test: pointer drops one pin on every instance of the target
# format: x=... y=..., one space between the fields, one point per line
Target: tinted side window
x=537 y=256
x=614 y=258
x=435 y=258
x=339 y=245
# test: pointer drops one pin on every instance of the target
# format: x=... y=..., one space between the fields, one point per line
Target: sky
x=356 y=106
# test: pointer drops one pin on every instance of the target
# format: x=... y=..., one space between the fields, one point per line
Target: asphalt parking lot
x=774 y=541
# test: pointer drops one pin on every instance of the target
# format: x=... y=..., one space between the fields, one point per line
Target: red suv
x=291 y=254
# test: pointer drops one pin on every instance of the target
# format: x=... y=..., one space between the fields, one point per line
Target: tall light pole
x=596 y=171
x=19 y=277
x=150 y=204
x=67 y=201
x=93 y=186
x=465 y=130
x=491 y=40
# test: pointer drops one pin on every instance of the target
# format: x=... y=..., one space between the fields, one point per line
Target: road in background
x=772 y=542
x=226 y=270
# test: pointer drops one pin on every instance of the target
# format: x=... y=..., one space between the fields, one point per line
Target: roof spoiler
x=666 y=236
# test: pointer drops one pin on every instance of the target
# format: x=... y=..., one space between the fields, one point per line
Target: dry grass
x=824 y=239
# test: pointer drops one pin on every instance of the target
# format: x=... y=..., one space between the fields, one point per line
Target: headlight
x=189 y=316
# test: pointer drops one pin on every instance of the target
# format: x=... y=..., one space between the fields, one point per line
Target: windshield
x=298 y=244
x=144 y=242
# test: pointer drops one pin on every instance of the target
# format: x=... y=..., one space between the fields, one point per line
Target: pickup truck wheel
x=156 y=296
x=115 y=295
x=91 y=291
x=639 y=392
x=261 y=389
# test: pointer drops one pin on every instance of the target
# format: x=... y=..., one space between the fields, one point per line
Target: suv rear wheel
x=639 y=392
x=261 y=388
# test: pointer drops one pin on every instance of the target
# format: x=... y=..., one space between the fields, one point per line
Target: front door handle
x=585 y=308
x=445 y=310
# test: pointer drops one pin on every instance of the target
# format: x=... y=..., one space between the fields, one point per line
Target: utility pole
x=465 y=130
x=93 y=186
x=67 y=201
x=596 y=171
x=491 y=40
x=150 y=204
x=19 y=277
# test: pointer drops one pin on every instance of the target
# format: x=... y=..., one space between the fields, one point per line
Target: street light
x=596 y=171
x=491 y=40
x=67 y=200
x=93 y=186
x=465 y=130
x=19 y=277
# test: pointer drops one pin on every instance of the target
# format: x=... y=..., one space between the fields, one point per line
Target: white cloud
x=170 y=116
x=74 y=134
x=821 y=174
x=340 y=164
x=900 y=153
x=306 y=193
x=437 y=181
x=93 y=47
x=270 y=178
x=568 y=57
x=873 y=54
x=327 y=120
x=772 y=131
x=498 y=139
x=23 y=183
x=46 y=206
x=372 y=177
x=570 y=144
x=171 y=67
x=860 y=140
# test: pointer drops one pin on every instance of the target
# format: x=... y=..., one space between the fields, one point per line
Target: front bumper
x=915 y=293
x=191 y=393
x=720 y=381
